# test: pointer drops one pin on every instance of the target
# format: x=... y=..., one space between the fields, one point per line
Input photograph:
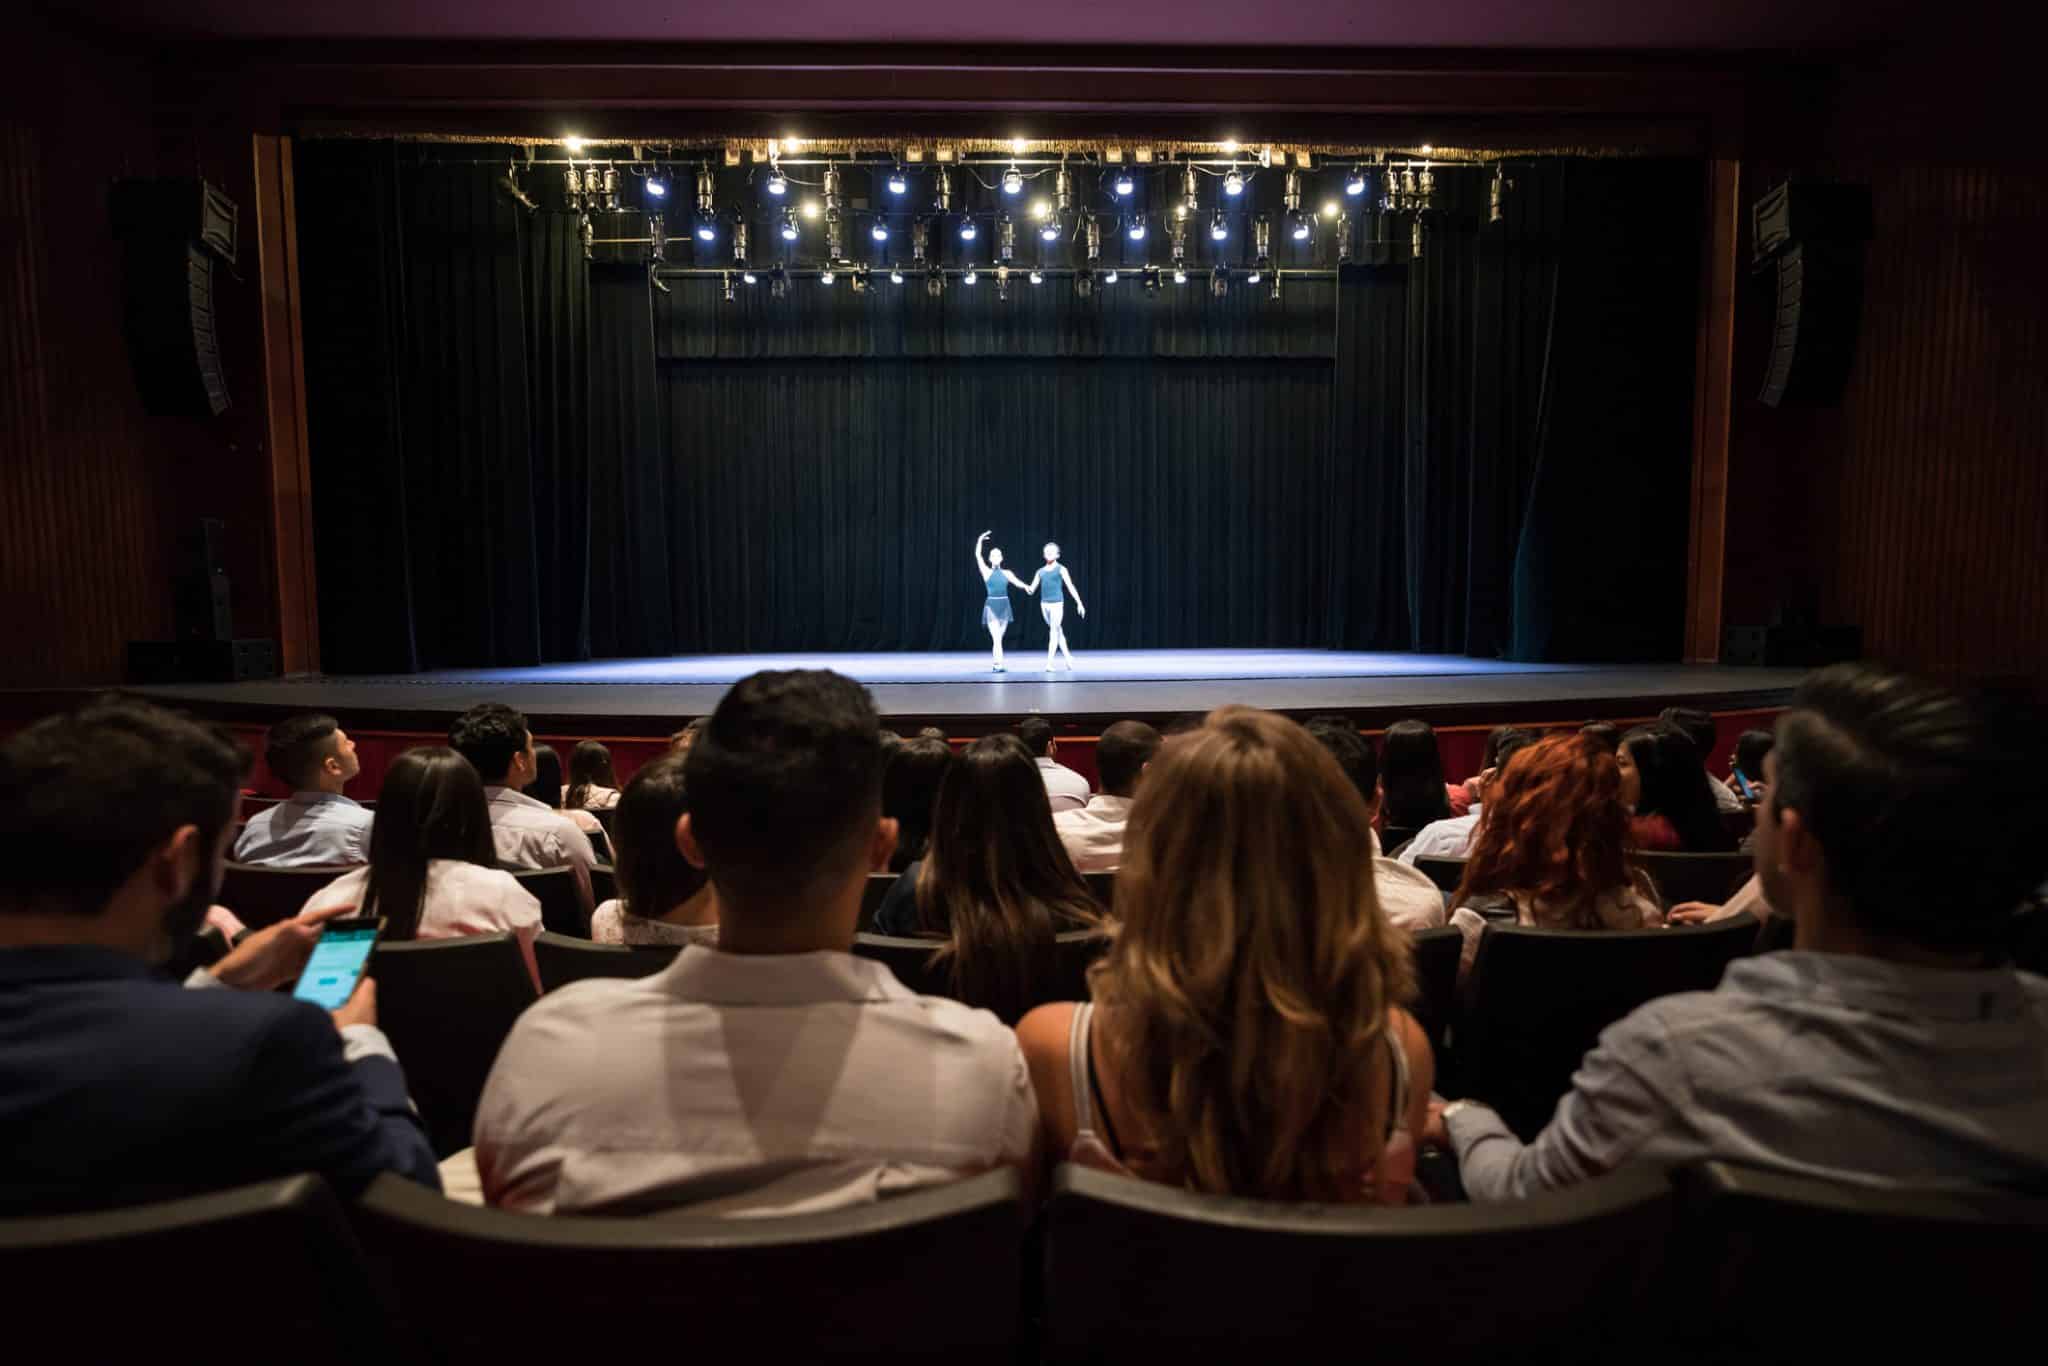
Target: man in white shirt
x=1407 y=897
x=776 y=1073
x=1066 y=789
x=318 y=825
x=1452 y=837
x=527 y=834
x=1094 y=835
x=1698 y=727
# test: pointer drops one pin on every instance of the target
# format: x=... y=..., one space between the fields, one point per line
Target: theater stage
x=648 y=696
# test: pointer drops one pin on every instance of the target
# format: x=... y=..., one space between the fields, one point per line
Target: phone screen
x=1742 y=785
x=337 y=962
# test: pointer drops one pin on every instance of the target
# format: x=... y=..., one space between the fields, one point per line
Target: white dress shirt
x=307 y=830
x=1725 y=800
x=460 y=898
x=1407 y=897
x=1824 y=1065
x=747 y=1084
x=531 y=834
x=1094 y=833
x=1067 y=789
x=1448 y=838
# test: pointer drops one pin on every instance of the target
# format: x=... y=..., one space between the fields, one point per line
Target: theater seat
x=447 y=1005
x=1078 y=951
x=1446 y=873
x=932 y=1275
x=877 y=887
x=1711 y=878
x=1775 y=1267
x=561 y=906
x=1137 y=1271
x=563 y=960
x=261 y=1273
x=910 y=959
x=261 y=896
x=1538 y=999
x=1436 y=982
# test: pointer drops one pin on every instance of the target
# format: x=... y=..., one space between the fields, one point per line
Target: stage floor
x=647 y=695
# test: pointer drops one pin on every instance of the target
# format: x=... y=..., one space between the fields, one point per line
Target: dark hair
x=1352 y=751
x=910 y=786
x=1606 y=732
x=1674 y=786
x=1036 y=733
x=680 y=741
x=590 y=765
x=996 y=881
x=1412 y=772
x=931 y=733
x=1929 y=804
x=1498 y=737
x=490 y=735
x=890 y=741
x=1511 y=744
x=785 y=780
x=1695 y=725
x=654 y=877
x=1121 y=755
x=546 y=787
x=431 y=806
x=87 y=796
x=295 y=747
x=1187 y=723
x=1750 y=748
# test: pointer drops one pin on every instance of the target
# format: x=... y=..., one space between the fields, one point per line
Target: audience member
x=680 y=741
x=527 y=833
x=547 y=789
x=117 y=1088
x=1552 y=848
x=995 y=883
x=1665 y=788
x=1412 y=776
x=890 y=741
x=910 y=785
x=1407 y=898
x=663 y=897
x=316 y=825
x=1606 y=732
x=593 y=786
x=1067 y=789
x=1750 y=748
x=1453 y=838
x=1464 y=796
x=688 y=1088
x=1698 y=727
x=1889 y=1046
x=1246 y=1036
x=433 y=870
x=1094 y=835
x=931 y=733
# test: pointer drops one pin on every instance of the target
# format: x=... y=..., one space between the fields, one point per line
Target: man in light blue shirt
x=318 y=825
x=1891 y=1045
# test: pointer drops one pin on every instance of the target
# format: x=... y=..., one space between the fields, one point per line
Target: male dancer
x=1056 y=583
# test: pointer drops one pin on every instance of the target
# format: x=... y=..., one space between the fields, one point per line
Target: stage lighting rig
x=739 y=242
x=1415 y=238
x=1190 y=198
x=730 y=296
x=509 y=183
x=1219 y=281
x=971 y=276
x=789 y=227
x=895 y=275
x=934 y=283
x=831 y=188
x=611 y=188
x=1354 y=184
x=1178 y=233
x=1136 y=228
x=747 y=277
x=707 y=204
x=942 y=191
x=778 y=283
x=1219 y=227
x=898 y=182
x=1013 y=181
x=918 y=227
x=1494 y=194
x=1124 y=184
x=1150 y=279
x=1091 y=237
x=968 y=230
x=1180 y=275
x=835 y=240
x=879 y=231
x=1006 y=239
x=1084 y=284
x=1298 y=225
x=1425 y=185
x=1233 y=183
x=778 y=183
x=825 y=276
x=1109 y=277
x=1037 y=276
x=1343 y=238
x=1274 y=295
x=1002 y=284
x=654 y=185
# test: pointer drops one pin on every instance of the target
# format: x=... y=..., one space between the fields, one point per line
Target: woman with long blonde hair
x=1246 y=1035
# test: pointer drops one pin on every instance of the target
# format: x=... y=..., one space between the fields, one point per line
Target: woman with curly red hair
x=1552 y=850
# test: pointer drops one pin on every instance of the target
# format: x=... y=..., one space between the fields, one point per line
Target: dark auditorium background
x=1911 y=508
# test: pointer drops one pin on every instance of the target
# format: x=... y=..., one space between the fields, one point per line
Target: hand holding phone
x=337 y=962
x=1743 y=787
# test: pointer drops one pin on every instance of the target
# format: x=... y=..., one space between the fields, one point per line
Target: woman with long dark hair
x=1412 y=776
x=433 y=871
x=547 y=789
x=1552 y=849
x=995 y=882
x=663 y=897
x=592 y=784
x=1664 y=787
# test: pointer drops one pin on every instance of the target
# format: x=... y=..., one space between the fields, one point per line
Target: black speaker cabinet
x=201 y=661
x=1812 y=236
x=171 y=233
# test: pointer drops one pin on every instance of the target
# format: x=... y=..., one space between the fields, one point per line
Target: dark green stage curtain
x=633 y=565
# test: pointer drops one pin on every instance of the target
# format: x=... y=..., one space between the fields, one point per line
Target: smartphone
x=338 y=961
x=1742 y=786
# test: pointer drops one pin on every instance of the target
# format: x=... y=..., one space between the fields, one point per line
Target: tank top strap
x=1400 y=1081
x=1077 y=1070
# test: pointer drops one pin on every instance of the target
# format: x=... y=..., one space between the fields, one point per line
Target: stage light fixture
x=858 y=279
x=1180 y=275
x=1109 y=277
x=1151 y=282
x=739 y=241
x=971 y=276
x=1262 y=236
x=572 y=185
x=778 y=183
x=835 y=237
x=1233 y=184
x=1219 y=228
x=1006 y=239
x=898 y=182
x=1415 y=238
x=825 y=276
x=1084 y=283
x=1124 y=184
x=918 y=227
x=1257 y=272
x=1190 y=199
x=748 y=277
x=1275 y=294
x=1300 y=227
x=1179 y=233
x=509 y=183
x=895 y=275
x=880 y=231
x=1002 y=282
x=1051 y=231
x=1091 y=237
x=1343 y=238
x=1041 y=209
x=811 y=208
x=1425 y=185
x=1495 y=193
x=573 y=145
x=934 y=283
x=611 y=188
x=1063 y=189
x=789 y=228
x=1037 y=277
x=778 y=283
x=707 y=230
x=1136 y=230
x=1219 y=281
x=942 y=191
x=1013 y=181
x=1229 y=146
x=729 y=295
x=1331 y=209
x=656 y=187
x=1354 y=184
x=968 y=231
x=831 y=187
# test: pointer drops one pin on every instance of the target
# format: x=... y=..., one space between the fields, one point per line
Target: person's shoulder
x=1044 y=1029
x=1391 y=872
x=606 y=922
x=961 y=1024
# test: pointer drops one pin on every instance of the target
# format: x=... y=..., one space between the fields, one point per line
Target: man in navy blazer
x=117 y=1087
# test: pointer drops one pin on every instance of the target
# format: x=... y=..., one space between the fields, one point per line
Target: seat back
x=1539 y=998
x=276 y=1259
x=1102 y=886
x=563 y=960
x=1881 y=1272
x=608 y=817
x=447 y=1005
x=561 y=908
x=485 y=1285
x=262 y=896
x=1446 y=873
x=910 y=959
x=871 y=894
x=1436 y=982
x=1711 y=878
x=1078 y=950
x=1394 y=836
x=604 y=883
x=1137 y=1271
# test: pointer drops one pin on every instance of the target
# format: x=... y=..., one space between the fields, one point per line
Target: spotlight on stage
x=880 y=231
x=1013 y=181
x=747 y=277
x=968 y=232
x=1150 y=280
x=1136 y=230
x=1354 y=184
x=825 y=276
x=778 y=183
x=1218 y=227
x=1037 y=277
x=898 y=182
x=1124 y=184
x=895 y=276
x=1233 y=184
x=789 y=228
x=971 y=276
x=1109 y=277
x=656 y=187
x=1180 y=275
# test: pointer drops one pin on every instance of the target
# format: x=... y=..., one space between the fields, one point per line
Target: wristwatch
x=1452 y=1109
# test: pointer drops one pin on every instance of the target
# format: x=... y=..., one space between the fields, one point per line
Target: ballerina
x=1052 y=604
x=995 y=613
